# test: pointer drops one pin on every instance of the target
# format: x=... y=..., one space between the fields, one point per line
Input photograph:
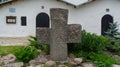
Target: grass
x=99 y=59
x=4 y=50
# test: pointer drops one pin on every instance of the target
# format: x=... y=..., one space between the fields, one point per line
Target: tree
x=113 y=30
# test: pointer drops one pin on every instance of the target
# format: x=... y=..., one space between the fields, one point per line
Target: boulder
x=88 y=64
x=71 y=57
x=115 y=65
x=10 y=58
x=116 y=56
x=72 y=64
x=78 y=60
x=17 y=64
x=32 y=62
x=30 y=66
x=40 y=65
x=38 y=60
x=50 y=63
x=62 y=66
x=43 y=60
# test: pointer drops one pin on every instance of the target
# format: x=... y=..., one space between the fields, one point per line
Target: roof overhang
x=6 y=2
x=76 y=3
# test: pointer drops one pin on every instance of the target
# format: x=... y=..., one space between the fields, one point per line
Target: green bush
x=81 y=53
x=114 y=37
x=113 y=30
x=33 y=42
x=114 y=45
x=26 y=54
x=31 y=51
x=90 y=43
x=44 y=47
x=91 y=48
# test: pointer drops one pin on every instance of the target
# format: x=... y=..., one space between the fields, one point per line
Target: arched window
x=42 y=20
x=106 y=20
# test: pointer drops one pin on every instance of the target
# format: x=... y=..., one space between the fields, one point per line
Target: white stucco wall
x=88 y=15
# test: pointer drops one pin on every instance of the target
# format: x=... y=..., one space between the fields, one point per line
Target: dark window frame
x=11 y=19
x=23 y=21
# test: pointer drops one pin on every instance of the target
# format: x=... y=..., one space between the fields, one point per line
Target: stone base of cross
x=59 y=34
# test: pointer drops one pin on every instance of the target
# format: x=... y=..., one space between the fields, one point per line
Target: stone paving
x=6 y=41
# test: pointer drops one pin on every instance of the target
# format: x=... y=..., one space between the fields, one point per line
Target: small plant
x=44 y=47
x=26 y=54
x=99 y=64
x=33 y=42
x=113 y=30
x=112 y=33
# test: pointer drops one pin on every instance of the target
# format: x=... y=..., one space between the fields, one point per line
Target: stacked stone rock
x=10 y=61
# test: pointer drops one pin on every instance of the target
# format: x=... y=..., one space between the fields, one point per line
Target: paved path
x=5 y=41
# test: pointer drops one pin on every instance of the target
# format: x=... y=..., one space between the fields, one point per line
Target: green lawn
x=4 y=50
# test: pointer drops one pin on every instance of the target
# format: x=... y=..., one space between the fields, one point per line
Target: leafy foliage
x=103 y=60
x=99 y=59
x=113 y=30
x=114 y=46
x=91 y=48
x=114 y=37
x=26 y=54
x=44 y=47
x=31 y=51
x=91 y=43
x=33 y=42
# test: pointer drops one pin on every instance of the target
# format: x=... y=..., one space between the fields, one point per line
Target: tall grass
x=4 y=50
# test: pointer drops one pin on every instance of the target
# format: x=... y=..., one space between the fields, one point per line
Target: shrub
x=81 y=53
x=91 y=48
x=26 y=54
x=114 y=46
x=33 y=42
x=90 y=43
x=113 y=30
x=114 y=37
x=44 y=47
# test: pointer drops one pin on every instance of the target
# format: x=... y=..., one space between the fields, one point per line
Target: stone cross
x=59 y=34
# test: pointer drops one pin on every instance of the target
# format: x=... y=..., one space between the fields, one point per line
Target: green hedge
x=90 y=43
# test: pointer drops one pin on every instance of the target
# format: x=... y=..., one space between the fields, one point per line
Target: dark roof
x=6 y=2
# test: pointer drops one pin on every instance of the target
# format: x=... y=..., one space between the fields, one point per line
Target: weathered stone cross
x=59 y=34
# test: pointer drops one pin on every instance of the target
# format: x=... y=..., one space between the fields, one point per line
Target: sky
x=76 y=2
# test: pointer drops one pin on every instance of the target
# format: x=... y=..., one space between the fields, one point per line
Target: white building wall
x=88 y=15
